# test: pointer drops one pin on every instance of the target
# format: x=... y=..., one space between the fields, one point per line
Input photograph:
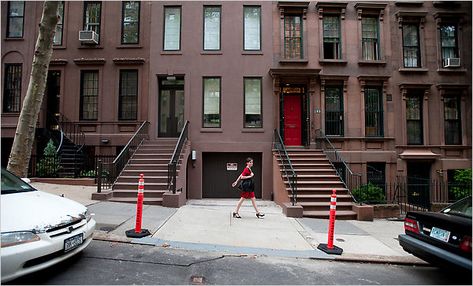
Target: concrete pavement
x=207 y=225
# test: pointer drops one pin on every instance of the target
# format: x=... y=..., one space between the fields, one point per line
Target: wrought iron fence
x=287 y=168
x=350 y=179
x=172 y=165
x=43 y=166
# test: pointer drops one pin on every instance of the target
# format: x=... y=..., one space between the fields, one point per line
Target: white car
x=38 y=229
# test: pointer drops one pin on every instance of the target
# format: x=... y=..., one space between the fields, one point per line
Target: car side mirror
x=26 y=180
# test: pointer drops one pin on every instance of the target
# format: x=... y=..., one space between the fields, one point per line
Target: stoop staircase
x=151 y=159
x=316 y=178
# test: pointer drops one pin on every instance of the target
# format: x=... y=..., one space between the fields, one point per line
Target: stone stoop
x=316 y=178
x=150 y=159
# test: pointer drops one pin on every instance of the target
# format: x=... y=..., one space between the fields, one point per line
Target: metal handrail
x=115 y=168
x=350 y=179
x=172 y=165
x=288 y=170
x=72 y=131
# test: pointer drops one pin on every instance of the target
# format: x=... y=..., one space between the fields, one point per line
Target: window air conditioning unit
x=452 y=62
x=88 y=37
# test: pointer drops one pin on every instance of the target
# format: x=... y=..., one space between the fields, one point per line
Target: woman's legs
x=239 y=205
x=253 y=202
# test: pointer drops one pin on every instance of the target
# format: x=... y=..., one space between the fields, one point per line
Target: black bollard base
x=133 y=234
x=335 y=250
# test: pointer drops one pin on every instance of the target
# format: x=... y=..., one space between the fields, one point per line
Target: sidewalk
x=207 y=225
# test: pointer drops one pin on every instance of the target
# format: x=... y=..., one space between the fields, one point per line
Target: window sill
x=130 y=46
x=336 y=62
x=375 y=139
x=293 y=61
x=87 y=47
x=171 y=53
x=211 y=53
x=211 y=130
x=413 y=70
x=252 y=130
x=365 y=62
x=10 y=113
x=59 y=47
x=452 y=70
x=249 y=53
x=14 y=39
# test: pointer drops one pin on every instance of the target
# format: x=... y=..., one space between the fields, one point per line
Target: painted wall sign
x=232 y=166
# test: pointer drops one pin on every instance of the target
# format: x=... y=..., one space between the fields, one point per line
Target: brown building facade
x=388 y=82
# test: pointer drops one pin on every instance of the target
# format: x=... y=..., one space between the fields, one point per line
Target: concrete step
x=131 y=186
x=148 y=179
x=146 y=201
x=134 y=194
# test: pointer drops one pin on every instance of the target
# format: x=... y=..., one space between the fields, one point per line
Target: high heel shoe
x=236 y=215
x=259 y=215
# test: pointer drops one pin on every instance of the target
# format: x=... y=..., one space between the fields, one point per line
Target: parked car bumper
x=431 y=253
x=42 y=253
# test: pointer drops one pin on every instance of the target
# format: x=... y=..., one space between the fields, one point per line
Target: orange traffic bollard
x=329 y=247
x=137 y=232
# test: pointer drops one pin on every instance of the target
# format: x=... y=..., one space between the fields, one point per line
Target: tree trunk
x=25 y=130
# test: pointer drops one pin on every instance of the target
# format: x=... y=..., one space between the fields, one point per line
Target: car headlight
x=88 y=215
x=19 y=237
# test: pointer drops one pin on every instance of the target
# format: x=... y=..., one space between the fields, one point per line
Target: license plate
x=440 y=234
x=73 y=242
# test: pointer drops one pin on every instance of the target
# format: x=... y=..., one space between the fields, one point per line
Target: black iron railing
x=172 y=165
x=109 y=173
x=72 y=131
x=287 y=169
x=350 y=180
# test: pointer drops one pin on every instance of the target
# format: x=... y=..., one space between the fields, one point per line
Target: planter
x=364 y=212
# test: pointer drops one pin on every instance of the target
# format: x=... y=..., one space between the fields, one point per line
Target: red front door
x=292 y=121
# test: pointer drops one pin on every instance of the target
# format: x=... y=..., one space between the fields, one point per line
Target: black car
x=440 y=238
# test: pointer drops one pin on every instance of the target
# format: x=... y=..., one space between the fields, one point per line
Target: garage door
x=222 y=169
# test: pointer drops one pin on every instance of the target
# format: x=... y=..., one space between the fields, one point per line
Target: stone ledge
x=176 y=200
x=364 y=212
x=65 y=181
x=102 y=196
x=292 y=211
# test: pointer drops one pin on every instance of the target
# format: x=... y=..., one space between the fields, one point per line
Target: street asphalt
x=207 y=225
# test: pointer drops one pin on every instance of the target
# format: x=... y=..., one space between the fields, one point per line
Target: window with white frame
x=57 y=41
x=411 y=45
x=130 y=22
x=370 y=38
x=252 y=28
x=448 y=43
x=331 y=33
x=172 y=28
x=212 y=16
x=253 y=106
x=211 y=116
x=92 y=16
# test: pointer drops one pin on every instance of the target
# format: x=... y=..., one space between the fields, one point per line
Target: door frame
x=173 y=89
x=305 y=107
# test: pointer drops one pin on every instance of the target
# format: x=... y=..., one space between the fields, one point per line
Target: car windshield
x=11 y=184
x=460 y=208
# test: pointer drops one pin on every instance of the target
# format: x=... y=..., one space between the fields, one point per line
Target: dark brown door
x=219 y=173
x=171 y=107
x=53 y=91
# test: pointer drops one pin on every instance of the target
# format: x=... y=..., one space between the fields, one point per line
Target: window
x=293 y=37
x=333 y=110
x=253 y=116
x=57 y=41
x=452 y=124
x=89 y=95
x=332 y=43
x=212 y=27
x=12 y=88
x=211 y=102
x=252 y=28
x=172 y=28
x=449 y=42
x=92 y=14
x=15 y=23
x=414 y=120
x=128 y=98
x=411 y=46
x=373 y=112
x=369 y=41
x=376 y=174
x=130 y=22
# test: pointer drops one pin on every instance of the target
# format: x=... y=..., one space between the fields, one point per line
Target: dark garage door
x=217 y=180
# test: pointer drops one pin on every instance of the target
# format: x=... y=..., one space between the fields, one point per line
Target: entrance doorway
x=294 y=110
x=418 y=184
x=171 y=106
x=53 y=93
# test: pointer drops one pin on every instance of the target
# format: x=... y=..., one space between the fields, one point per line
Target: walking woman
x=247 y=189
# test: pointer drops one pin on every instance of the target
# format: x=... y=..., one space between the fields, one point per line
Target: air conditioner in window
x=452 y=62
x=88 y=37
